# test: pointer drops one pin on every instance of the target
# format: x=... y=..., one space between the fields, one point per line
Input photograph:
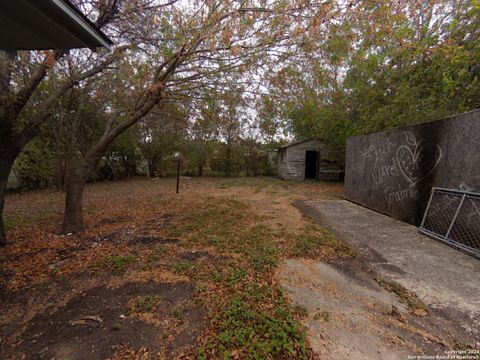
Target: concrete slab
x=442 y=277
x=345 y=318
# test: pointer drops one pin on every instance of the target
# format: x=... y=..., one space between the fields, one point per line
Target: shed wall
x=282 y=163
x=293 y=165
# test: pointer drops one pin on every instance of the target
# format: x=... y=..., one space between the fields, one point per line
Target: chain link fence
x=453 y=216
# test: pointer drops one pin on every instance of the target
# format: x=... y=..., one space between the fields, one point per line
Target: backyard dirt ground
x=228 y=268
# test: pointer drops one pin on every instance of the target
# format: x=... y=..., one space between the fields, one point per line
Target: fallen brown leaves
x=130 y=237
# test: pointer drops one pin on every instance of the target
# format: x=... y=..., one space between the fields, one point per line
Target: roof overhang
x=298 y=142
x=46 y=24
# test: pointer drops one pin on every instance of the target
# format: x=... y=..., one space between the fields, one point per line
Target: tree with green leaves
x=160 y=134
x=205 y=45
x=385 y=64
x=27 y=102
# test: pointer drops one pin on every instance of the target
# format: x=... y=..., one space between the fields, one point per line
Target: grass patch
x=117 y=326
x=43 y=217
x=8 y=222
x=318 y=242
x=405 y=296
x=145 y=304
x=258 y=183
x=179 y=314
x=246 y=331
x=216 y=276
x=263 y=256
x=117 y=263
x=252 y=318
x=183 y=267
x=236 y=277
x=228 y=225
x=31 y=219
x=157 y=254
x=213 y=223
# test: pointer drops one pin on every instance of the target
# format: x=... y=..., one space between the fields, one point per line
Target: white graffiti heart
x=409 y=162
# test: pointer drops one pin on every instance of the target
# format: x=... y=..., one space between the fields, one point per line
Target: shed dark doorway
x=311 y=164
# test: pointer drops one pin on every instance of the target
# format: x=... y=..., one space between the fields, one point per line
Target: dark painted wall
x=393 y=171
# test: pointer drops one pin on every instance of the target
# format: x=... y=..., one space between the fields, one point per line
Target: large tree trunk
x=77 y=177
x=59 y=175
x=59 y=163
x=6 y=163
x=152 y=169
x=76 y=180
x=3 y=188
x=75 y=186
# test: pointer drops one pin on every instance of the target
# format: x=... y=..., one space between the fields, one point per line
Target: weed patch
x=323 y=316
x=228 y=225
x=263 y=256
x=416 y=306
x=253 y=319
x=247 y=331
x=317 y=242
x=179 y=314
x=41 y=217
x=300 y=311
x=255 y=182
x=8 y=222
x=118 y=263
x=183 y=267
x=236 y=277
x=145 y=304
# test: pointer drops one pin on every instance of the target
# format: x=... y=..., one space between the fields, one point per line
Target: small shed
x=300 y=160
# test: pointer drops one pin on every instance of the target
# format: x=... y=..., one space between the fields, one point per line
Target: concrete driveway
x=445 y=279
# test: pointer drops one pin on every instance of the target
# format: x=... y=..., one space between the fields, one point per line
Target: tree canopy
x=386 y=64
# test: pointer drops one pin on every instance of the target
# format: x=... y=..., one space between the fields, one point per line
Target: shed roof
x=299 y=142
x=46 y=24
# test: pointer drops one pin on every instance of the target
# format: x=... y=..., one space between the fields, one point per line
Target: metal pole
x=428 y=207
x=178 y=174
x=455 y=216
